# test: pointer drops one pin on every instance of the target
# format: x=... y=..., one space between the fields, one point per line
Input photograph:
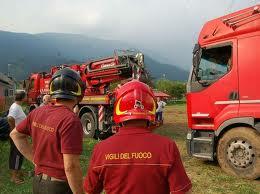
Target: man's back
x=17 y=113
x=57 y=137
x=52 y=129
x=136 y=161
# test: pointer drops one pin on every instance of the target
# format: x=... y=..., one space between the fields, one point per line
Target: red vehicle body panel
x=209 y=108
x=249 y=72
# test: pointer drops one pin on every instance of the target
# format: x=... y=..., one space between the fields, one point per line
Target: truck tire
x=88 y=124
x=238 y=152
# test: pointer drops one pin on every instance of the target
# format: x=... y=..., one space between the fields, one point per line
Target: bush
x=175 y=89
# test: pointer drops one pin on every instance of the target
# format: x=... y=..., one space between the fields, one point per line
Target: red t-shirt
x=55 y=130
x=136 y=161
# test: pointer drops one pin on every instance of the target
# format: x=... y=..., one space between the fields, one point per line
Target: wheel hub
x=240 y=153
x=87 y=126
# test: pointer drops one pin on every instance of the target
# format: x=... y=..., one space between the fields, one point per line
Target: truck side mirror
x=24 y=84
x=200 y=74
x=196 y=48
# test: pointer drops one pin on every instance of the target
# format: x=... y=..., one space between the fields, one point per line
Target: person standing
x=135 y=160
x=46 y=99
x=159 y=111
x=15 y=116
x=57 y=137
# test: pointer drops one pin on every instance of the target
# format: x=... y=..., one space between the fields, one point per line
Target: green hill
x=37 y=52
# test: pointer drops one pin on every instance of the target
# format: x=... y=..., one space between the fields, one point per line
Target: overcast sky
x=167 y=27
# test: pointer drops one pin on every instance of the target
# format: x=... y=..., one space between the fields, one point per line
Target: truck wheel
x=238 y=152
x=88 y=124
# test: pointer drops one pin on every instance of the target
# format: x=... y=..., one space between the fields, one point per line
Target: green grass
x=7 y=187
x=206 y=177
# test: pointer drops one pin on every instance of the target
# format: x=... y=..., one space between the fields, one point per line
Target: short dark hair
x=19 y=96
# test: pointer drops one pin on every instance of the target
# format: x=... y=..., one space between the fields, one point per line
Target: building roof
x=5 y=79
x=161 y=94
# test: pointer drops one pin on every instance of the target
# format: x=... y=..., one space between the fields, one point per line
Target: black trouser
x=48 y=186
x=158 y=116
x=15 y=157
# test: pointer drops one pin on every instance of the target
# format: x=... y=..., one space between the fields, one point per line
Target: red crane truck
x=96 y=108
x=223 y=93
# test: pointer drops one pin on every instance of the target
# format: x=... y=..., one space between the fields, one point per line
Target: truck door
x=212 y=90
x=249 y=76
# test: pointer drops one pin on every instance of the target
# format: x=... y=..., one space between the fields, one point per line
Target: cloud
x=167 y=27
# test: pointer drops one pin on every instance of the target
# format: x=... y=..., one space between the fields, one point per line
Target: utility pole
x=164 y=76
x=8 y=70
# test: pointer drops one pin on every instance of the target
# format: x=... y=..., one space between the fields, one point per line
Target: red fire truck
x=223 y=93
x=96 y=108
x=37 y=84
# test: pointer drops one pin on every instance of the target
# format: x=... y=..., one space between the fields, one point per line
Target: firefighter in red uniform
x=135 y=160
x=57 y=138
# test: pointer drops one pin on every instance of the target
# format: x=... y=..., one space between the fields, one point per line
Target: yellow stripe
x=95 y=98
x=132 y=164
x=118 y=112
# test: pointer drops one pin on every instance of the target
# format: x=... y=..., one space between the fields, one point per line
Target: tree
x=147 y=78
x=174 y=88
x=164 y=85
x=178 y=89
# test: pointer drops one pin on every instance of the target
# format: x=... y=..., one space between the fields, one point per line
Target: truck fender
x=242 y=120
x=91 y=109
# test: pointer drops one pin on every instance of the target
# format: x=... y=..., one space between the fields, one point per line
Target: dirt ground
x=206 y=176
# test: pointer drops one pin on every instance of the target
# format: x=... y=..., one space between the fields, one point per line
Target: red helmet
x=134 y=100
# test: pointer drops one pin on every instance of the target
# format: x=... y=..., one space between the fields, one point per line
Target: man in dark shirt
x=57 y=138
x=135 y=160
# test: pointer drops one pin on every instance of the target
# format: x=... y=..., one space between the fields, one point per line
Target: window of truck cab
x=31 y=84
x=214 y=63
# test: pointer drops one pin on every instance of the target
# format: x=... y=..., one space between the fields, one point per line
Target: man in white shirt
x=159 y=111
x=15 y=116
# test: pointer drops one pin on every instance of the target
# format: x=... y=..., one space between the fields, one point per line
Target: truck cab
x=36 y=86
x=223 y=96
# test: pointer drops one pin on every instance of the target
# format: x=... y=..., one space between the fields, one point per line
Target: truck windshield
x=31 y=85
x=214 y=63
x=209 y=65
